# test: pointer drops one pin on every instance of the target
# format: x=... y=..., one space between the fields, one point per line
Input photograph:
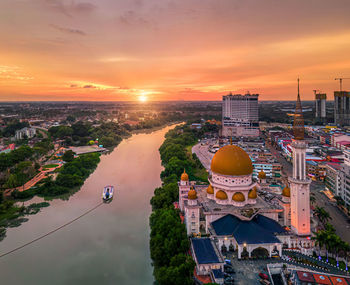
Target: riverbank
x=169 y=244
x=109 y=245
x=70 y=179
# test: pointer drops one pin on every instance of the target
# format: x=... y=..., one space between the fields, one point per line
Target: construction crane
x=341 y=82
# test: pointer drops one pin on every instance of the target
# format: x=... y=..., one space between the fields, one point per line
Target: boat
x=107 y=193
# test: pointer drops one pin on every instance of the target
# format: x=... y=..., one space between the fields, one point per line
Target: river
x=109 y=245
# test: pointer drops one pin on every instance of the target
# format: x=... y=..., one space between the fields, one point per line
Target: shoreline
x=18 y=219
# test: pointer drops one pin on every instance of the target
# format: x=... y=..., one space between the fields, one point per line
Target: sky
x=172 y=49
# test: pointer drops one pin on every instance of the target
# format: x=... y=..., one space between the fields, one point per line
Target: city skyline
x=59 y=50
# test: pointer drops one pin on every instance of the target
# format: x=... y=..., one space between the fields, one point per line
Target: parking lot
x=247 y=271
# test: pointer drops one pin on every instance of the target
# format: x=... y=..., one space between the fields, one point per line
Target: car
x=263 y=276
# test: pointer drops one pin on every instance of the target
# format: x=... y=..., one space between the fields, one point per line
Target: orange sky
x=171 y=49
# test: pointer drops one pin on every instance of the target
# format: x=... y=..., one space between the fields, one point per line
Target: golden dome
x=184 y=176
x=231 y=160
x=262 y=174
x=238 y=197
x=210 y=189
x=221 y=195
x=192 y=194
x=286 y=191
x=252 y=194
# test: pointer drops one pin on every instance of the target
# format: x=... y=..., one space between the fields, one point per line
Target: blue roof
x=258 y=230
x=204 y=251
x=218 y=273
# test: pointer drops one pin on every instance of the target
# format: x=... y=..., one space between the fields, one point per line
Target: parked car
x=263 y=276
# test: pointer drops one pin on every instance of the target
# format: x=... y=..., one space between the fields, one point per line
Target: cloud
x=89 y=86
x=83 y=7
x=68 y=9
x=69 y=30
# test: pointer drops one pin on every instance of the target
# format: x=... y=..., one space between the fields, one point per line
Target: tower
x=191 y=209
x=299 y=182
x=184 y=187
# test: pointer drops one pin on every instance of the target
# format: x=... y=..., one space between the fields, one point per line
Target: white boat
x=107 y=193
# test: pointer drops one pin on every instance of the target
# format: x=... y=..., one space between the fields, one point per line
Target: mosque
x=235 y=215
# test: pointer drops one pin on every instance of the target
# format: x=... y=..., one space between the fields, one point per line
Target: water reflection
x=108 y=246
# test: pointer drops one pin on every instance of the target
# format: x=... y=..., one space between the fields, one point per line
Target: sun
x=143 y=98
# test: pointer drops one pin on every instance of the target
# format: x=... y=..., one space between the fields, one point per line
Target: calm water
x=109 y=245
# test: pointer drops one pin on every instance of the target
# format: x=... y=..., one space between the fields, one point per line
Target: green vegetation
x=68 y=156
x=13 y=126
x=48 y=166
x=71 y=176
x=12 y=215
x=81 y=133
x=169 y=243
x=176 y=154
x=333 y=245
x=322 y=215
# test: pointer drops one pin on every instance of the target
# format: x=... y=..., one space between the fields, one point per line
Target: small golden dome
x=252 y=194
x=231 y=160
x=192 y=194
x=221 y=195
x=184 y=176
x=286 y=191
x=262 y=174
x=238 y=197
x=210 y=189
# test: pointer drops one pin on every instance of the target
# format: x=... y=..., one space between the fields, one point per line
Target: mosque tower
x=299 y=183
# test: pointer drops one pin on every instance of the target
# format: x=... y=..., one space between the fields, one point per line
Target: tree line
x=169 y=244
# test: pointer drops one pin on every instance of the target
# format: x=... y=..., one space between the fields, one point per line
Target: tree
x=171 y=151
x=68 y=156
x=71 y=119
x=322 y=215
x=107 y=141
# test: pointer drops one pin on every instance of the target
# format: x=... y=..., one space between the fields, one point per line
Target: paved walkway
x=32 y=182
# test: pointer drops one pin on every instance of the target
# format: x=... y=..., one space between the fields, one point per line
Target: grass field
x=48 y=166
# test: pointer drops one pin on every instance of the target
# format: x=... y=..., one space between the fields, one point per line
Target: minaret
x=299 y=183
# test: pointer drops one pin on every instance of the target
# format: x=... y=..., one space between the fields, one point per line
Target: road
x=339 y=219
x=202 y=153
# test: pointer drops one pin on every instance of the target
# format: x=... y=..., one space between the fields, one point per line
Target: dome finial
x=298 y=124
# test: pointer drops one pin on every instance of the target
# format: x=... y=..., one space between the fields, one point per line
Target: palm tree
x=337 y=247
x=319 y=241
x=322 y=215
x=346 y=248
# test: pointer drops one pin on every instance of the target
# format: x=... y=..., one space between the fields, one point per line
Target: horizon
x=59 y=50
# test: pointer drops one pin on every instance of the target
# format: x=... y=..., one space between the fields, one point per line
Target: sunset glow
x=181 y=50
x=142 y=98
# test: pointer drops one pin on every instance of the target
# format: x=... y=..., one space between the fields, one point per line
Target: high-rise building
x=320 y=106
x=342 y=108
x=240 y=115
x=343 y=189
x=299 y=182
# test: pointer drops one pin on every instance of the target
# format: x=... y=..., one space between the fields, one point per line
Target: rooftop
x=259 y=230
x=204 y=251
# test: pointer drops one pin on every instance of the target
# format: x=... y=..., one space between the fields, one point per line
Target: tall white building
x=240 y=115
x=343 y=189
x=25 y=133
x=299 y=182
